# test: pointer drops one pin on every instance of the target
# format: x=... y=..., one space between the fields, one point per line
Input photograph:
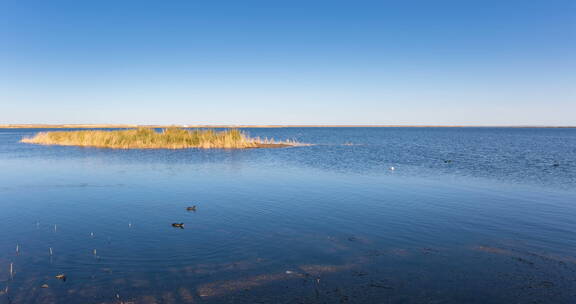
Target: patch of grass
x=147 y=138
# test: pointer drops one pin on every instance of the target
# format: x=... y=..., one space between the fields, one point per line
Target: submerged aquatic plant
x=148 y=138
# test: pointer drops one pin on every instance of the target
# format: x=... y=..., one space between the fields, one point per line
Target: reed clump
x=148 y=138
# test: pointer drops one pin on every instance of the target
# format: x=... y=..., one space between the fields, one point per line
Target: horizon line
x=106 y=126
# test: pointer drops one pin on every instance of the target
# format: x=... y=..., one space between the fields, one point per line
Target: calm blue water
x=469 y=215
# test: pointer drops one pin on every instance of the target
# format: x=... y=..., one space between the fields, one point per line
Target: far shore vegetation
x=126 y=126
x=148 y=138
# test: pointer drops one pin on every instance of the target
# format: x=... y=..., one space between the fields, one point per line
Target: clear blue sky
x=481 y=62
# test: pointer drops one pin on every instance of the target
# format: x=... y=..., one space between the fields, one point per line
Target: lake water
x=469 y=215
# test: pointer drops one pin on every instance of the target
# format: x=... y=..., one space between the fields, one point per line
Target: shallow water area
x=468 y=215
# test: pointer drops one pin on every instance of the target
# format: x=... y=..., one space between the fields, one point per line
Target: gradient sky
x=485 y=62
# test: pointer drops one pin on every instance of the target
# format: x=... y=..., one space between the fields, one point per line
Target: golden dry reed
x=148 y=138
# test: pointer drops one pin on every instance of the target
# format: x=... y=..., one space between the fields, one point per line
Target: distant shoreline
x=128 y=126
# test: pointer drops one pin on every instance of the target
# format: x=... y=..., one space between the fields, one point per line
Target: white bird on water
x=392 y=168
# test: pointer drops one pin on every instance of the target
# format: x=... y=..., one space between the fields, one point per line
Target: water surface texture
x=469 y=215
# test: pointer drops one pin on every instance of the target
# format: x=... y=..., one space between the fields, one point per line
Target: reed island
x=149 y=138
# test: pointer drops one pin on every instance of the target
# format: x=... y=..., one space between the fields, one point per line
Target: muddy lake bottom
x=468 y=215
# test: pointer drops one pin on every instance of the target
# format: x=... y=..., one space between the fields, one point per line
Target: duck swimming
x=193 y=208
x=178 y=225
x=61 y=277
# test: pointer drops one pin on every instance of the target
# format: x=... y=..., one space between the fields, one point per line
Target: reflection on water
x=468 y=216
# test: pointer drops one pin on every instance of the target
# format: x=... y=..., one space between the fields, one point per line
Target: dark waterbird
x=192 y=208
x=178 y=225
x=447 y=161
